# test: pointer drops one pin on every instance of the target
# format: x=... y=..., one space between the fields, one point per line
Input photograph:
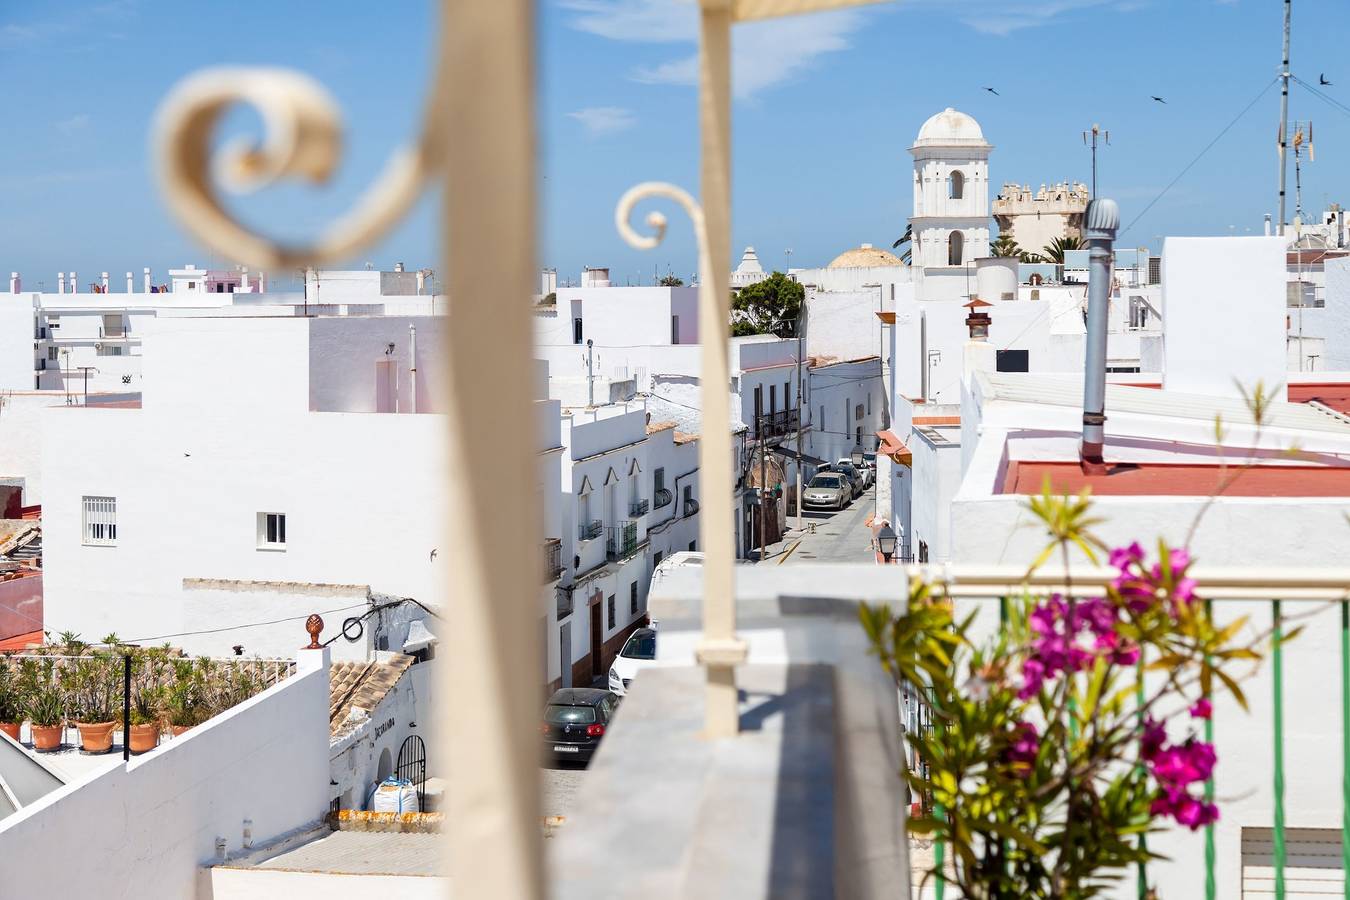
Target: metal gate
x=412 y=766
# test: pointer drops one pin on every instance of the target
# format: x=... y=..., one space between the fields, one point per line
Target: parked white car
x=638 y=653
x=864 y=472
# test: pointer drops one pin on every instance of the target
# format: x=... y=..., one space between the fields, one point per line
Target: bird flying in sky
x=1322 y=80
x=994 y=92
x=1159 y=99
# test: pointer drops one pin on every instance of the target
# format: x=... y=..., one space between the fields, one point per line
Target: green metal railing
x=1311 y=586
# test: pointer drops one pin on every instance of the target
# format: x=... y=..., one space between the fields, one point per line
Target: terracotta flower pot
x=144 y=737
x=47 y=737
x=11 y=729
x=176 y=730
x=96 y=737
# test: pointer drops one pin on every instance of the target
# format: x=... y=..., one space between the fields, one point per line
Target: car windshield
x=824 y=481
x=569 y=715
x=642 y=645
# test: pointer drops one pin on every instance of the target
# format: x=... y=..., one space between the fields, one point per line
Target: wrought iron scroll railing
x=1281 y=590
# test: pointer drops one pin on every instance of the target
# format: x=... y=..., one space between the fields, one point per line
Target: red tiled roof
x=895 y=448
x=1333 y=394
x=21 y=641
x=937 y=420
x=1179 y=480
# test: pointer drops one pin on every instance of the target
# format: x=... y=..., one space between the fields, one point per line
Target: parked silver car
x=863 y=471
x=828 y=490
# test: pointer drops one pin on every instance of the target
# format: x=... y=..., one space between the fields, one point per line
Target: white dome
x=950 y=128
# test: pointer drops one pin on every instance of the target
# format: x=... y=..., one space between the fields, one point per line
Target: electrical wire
x=1198 y=157
x=1326 y=98
x=160 y=637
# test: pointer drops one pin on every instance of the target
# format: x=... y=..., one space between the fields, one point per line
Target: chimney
x=60 y=282
x=1100 y=223
x=262 y=282
x=421 y=281
x=146 y=277
x=980 y=355
x=131 y=283
x=74 y=284
x=103 y=276
x=15 y=285
x=398 y=267
x=243 y=281
x=1267 y=224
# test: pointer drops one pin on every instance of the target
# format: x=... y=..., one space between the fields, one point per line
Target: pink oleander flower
x=1184 y=808
x=1024 y=745
x=1152 y=740
x=1121 y=557
x=1184 y=764
x=1202 y=709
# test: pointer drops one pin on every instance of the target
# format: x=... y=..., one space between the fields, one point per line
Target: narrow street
x=828 y=537
x=836 y=537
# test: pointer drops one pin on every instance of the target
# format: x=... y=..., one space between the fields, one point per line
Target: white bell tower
x=951 y=193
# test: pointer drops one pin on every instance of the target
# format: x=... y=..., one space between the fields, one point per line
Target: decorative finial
x=314 y=625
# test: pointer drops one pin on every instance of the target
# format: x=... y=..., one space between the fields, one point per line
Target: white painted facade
x=1233 y=286
x=606 y=476
x=241 y=418
x=92 y=340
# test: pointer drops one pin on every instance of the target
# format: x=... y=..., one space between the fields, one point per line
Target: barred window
x=100 y=520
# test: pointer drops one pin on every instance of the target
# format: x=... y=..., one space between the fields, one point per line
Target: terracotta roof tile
x=363 y=684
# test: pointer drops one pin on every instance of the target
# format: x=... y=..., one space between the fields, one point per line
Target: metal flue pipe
x=1101 y=222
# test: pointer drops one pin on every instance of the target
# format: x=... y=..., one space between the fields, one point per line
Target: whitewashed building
x=240 y=493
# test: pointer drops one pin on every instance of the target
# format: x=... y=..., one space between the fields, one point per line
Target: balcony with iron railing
x=778 y=424
x=552 y=559
x=589 y=531
x=622 y=542
x=638 y=508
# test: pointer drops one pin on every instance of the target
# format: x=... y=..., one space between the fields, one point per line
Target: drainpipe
x=590 y=374
x=1101 y=221
x=412 y=352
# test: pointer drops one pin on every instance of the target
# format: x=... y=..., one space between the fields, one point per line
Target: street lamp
x=886 y=541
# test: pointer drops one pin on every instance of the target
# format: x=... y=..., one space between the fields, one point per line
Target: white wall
x=937 y=475
x=1224 y=304
x=844 y=325
x=837 y=391
x=147 y=826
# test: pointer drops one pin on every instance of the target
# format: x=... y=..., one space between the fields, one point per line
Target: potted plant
x=96 y=696
x=146 y=719
x=47 y=712
x=183 y=705
x=11 y=702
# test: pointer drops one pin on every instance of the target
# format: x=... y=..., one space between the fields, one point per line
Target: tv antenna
x=1091 y=137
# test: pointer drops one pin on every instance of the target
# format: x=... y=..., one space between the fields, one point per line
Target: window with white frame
x=100 y=520
x=271 y=531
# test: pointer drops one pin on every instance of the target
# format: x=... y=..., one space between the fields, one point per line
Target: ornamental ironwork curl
x=656 y=220
x=302 y=139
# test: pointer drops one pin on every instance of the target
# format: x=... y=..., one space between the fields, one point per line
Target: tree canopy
x=671 y=281
x=767 y=307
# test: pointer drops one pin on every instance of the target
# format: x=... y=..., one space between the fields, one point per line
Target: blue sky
x=826 y=107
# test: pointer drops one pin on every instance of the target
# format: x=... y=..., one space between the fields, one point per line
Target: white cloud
x=74 y=124
x=764 y=54
x=649 y=21
x=603 y=120
x=1003 y=18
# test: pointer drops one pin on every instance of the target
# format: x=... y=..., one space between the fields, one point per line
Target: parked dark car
x=575 y=720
